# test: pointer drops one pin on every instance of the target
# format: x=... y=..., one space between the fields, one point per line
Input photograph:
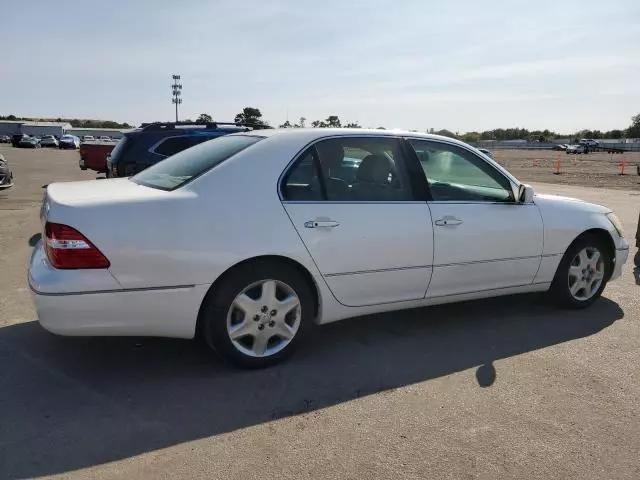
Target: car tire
x=261 y=287
x=581 y=278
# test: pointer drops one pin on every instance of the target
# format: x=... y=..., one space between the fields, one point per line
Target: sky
x=461 y=65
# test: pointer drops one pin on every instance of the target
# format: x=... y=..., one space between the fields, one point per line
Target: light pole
x=176 y=91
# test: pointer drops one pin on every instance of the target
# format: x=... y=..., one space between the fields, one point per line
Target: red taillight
x=69 y=249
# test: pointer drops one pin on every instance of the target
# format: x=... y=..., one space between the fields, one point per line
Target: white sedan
x=249 y=239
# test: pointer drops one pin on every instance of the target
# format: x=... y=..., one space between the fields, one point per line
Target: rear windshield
x=175 y=171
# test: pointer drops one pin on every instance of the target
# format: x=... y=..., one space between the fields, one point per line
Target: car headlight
x=617 y=224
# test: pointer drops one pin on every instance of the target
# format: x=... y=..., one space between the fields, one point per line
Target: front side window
x=455 y=174
x=175 y=171
x=370 y=169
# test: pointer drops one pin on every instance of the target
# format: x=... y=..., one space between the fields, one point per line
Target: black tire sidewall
x=218 y=301
x=560 y=286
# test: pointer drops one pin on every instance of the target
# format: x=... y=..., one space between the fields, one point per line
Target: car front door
x=351 y=201
x=483 y=238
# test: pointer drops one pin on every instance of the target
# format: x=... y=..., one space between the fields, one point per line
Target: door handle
x=321 y=224
x=448 y=222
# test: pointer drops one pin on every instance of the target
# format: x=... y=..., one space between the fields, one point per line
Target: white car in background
x=249 y=239
x=575 y=149
x=589 y=142
x=69 y=142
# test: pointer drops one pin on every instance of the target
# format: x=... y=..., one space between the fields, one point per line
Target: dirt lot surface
x=600 y=170
x=505 y=388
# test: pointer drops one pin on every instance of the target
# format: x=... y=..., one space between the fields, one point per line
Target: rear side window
x=350 y=169
x=182 y=167
x=173 y=145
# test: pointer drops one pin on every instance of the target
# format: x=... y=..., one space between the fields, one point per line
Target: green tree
x=471 y=137
x=634 y=130
x=250 y=115
x=445 y=133
x=613 y=134
x=301 y=122
x=333 y=121
x=352 y=125
x=286 y=124
x=204 y=118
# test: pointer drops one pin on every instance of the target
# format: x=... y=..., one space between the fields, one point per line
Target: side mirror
x=525 y=193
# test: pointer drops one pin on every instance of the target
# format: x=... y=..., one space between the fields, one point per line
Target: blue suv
x=147 y=145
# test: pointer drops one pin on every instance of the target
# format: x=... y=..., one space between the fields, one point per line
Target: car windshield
x=184 y=166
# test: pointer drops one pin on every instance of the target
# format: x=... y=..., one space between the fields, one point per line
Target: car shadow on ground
x=69 y=403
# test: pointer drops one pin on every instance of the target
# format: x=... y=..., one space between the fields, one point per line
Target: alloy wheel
x=586 y=273
x=264 y=318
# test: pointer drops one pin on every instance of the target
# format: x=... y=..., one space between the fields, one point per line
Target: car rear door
x=483 y=239
x=370 y=238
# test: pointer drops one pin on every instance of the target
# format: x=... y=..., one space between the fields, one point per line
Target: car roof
x=311 y=134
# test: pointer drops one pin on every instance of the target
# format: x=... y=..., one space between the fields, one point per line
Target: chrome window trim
x=352 y=202
x=513 y=181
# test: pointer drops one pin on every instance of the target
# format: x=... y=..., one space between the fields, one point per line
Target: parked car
x=226 y=241
x=6 y=175
x=488 y=153
x=17 y=138
x=575 y=149
x=560 y=147
x=104 y=138
x=69 y=142
x=589 y=142
x=49 y=141
x=88 y=138
x=145 y=146
x=29 y=142
x=5 y=139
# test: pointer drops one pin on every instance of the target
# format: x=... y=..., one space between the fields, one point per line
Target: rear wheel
x=259 y=314
x=583 y=273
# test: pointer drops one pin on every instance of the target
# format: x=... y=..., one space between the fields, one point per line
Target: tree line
x=253 y=115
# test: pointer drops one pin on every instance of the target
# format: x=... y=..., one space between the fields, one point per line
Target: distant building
x=98 y=132
x=14 y=127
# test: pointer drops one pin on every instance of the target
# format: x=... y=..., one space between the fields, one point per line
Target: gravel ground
x=600 y=170
x=504 y=388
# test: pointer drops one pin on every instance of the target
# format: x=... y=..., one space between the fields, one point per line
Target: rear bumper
x=66 y=307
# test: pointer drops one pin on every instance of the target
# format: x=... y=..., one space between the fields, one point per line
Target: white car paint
x=495 y=246
x=166 y=248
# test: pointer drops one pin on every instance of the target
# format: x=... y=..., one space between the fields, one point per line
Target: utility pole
x=176 y=91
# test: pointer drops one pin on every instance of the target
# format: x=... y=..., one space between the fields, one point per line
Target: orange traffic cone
x=557 y=172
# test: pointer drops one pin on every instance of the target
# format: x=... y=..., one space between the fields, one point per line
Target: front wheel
x=583 y=273
x=259 y=314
